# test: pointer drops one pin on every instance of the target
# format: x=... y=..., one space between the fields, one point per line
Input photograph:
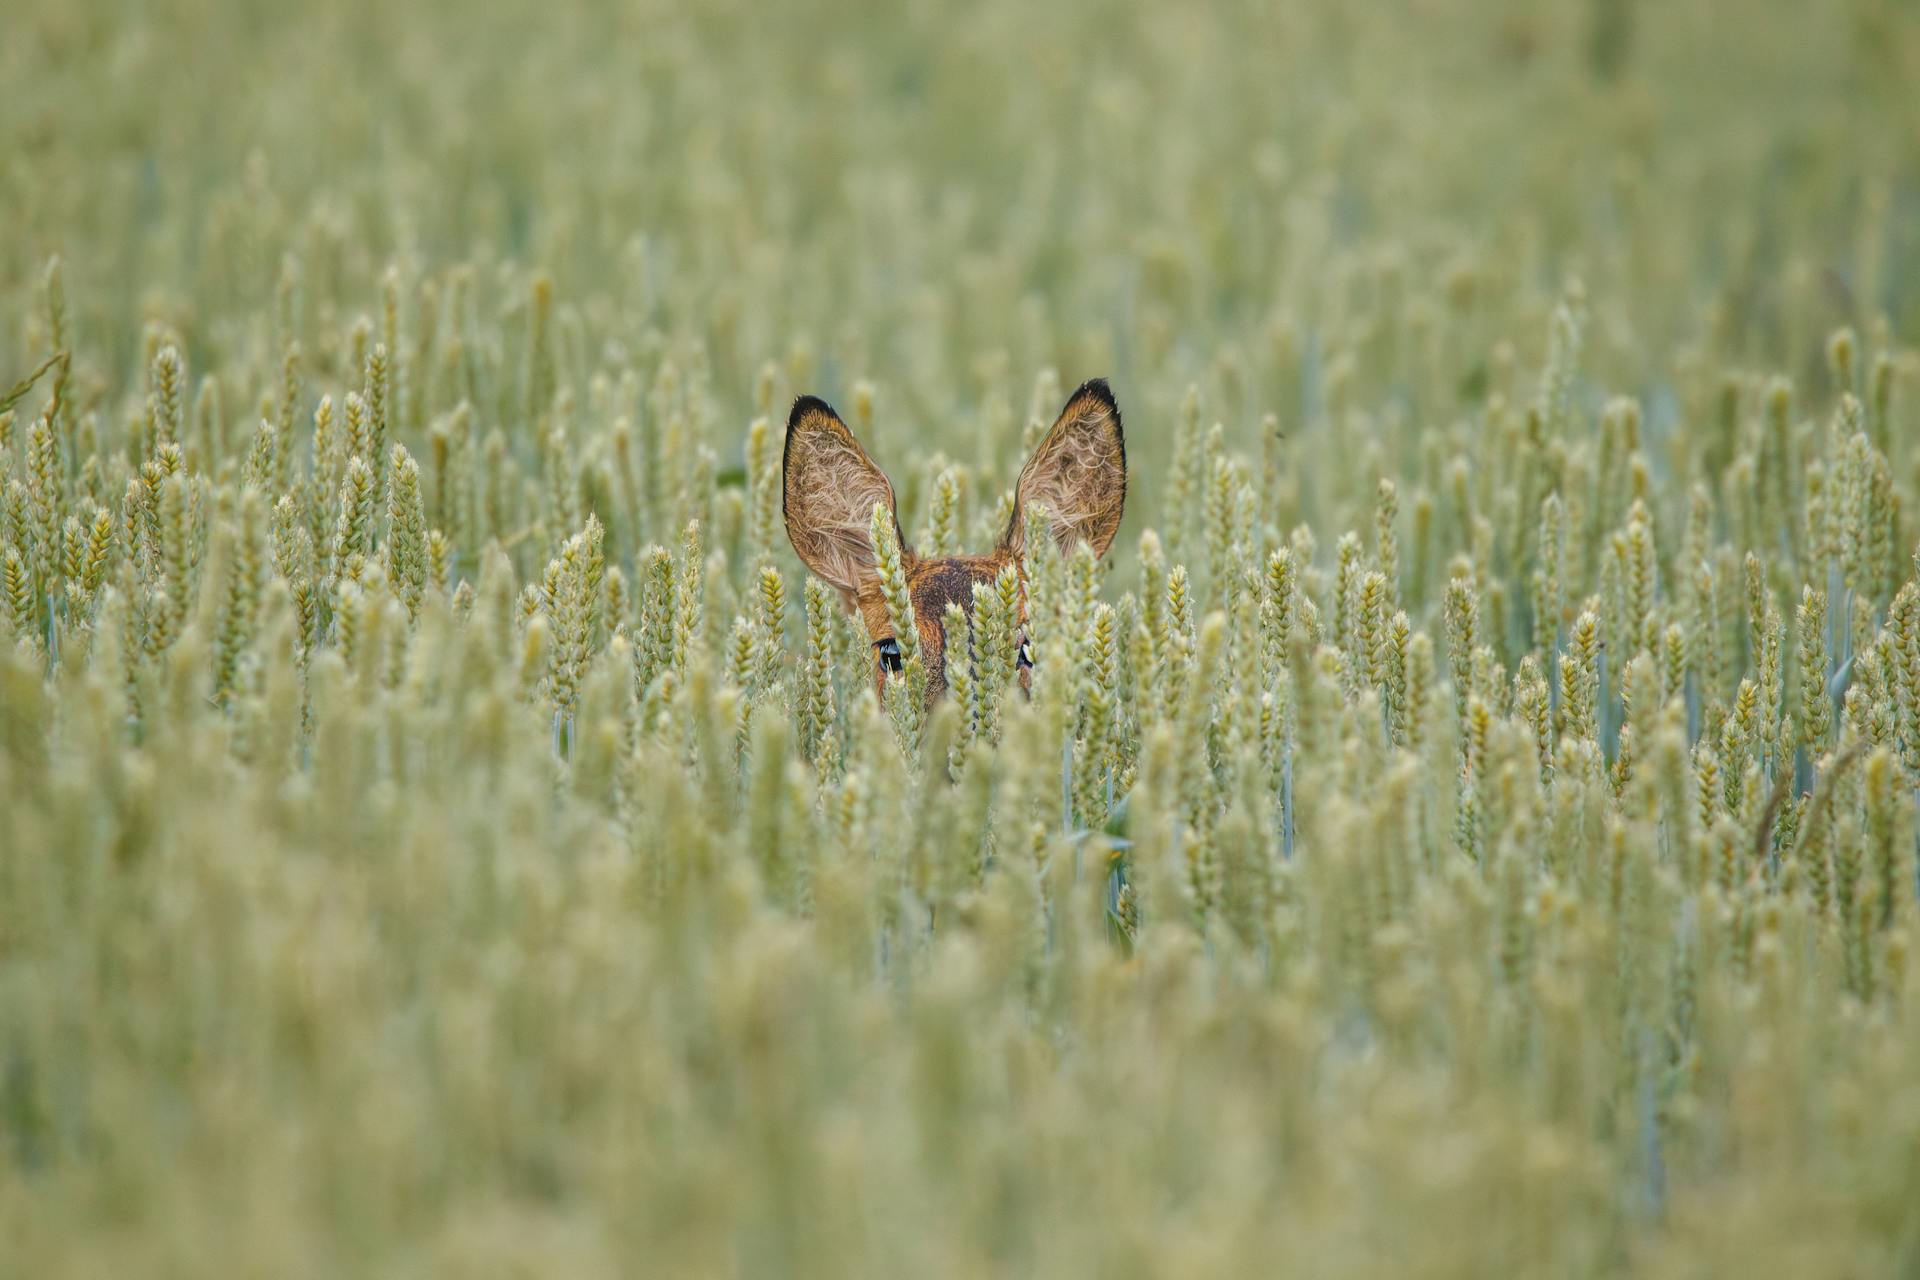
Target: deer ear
x=1078 y=473
x=829 y=488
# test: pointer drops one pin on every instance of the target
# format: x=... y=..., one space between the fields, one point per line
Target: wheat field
x=1465 y=827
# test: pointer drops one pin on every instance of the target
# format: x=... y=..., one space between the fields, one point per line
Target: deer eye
x=889 y=651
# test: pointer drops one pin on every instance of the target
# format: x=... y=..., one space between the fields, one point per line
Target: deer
x=830 y=486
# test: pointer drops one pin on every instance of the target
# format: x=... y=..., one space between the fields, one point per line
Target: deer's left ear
x=1078 y=474
x=829 y=488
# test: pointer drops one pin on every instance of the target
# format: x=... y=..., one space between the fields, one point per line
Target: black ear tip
x=1097 y=389
x=804 y=405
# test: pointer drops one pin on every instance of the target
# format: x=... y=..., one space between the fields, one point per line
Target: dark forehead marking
x=938 y=583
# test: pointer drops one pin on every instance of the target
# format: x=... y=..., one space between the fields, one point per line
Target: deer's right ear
x=828 y=490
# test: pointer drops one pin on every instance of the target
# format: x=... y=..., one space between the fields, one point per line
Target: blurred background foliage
x=352 y=951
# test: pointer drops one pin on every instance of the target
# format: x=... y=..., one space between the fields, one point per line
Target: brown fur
x=829 y=488
x=1078 y=473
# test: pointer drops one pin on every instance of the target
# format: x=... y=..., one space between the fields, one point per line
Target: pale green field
x=1467 y=829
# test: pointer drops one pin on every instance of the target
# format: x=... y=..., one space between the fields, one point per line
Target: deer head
x=1078 y=474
